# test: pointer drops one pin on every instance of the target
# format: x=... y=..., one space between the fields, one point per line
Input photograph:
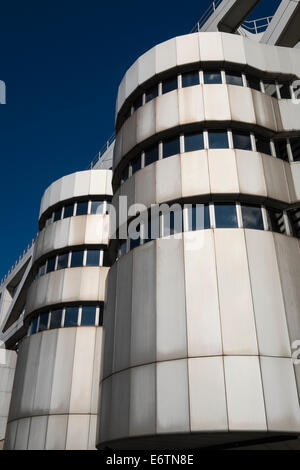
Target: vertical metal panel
x=37 y=434
x=78 y=432
x=56 y=432
x=109 y=321
x=142 y=401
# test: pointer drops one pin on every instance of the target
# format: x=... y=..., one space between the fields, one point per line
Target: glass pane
x=57 y=215
x=71 y=316
x=173 y=222
x=190 y=79
x=136 y=164
x=106 y=258
x=218 y=140
x=93 y=258
x=263 y=145
x=252 y=217
x=62 y=262
x=82 y=208
x=254 y=83
x=122 y=247
x=138 y=103
x=169 y=85
x=281 y=149
x=48 y=221
x=226 y=216
x=151 y=155
x=285 y=91
x=295 y=221
x=55 y=321
x=125 y=174
x=43 y=321
x=151 y=93
x=198 y=217
x=212 y=77
x=77 y=259
x=194 y=142
x=69 y=210
x=270 y=88
x=34 y=326
x=101 y=316
x=97 y=207
x=241 y=141
x=295 y=146
x=171 y=147
x=42 y=270
x=88 y=316
x=234 y=79
x=51 y=264
x=276 y=221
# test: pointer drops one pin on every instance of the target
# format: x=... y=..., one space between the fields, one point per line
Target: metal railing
x=101 y=151
x=257 y=26
x=206 y=15
x=19 y=260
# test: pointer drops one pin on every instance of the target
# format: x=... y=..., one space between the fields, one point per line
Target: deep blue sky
x=62 y=62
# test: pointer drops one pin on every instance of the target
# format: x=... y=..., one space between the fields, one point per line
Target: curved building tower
x=54 y=402
x=201 y=323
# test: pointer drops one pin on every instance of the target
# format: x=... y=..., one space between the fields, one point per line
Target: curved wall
x=199 y=329
x=7 y=372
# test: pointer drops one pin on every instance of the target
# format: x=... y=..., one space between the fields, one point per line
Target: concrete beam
x=229 y=15
x=284 y=28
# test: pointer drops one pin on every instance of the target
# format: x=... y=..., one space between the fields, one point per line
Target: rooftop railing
x=18 y=261
x=206 y=15
x=102 y=151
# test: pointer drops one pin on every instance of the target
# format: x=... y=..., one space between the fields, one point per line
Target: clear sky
x=62 y=62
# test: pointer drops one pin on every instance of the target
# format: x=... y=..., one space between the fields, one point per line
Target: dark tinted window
x=69 y=210
x=295 y=221
x=190 y=79
x=138 y=102
x=71 y=316
x=253 y=83
x=51 y=264
x=151 y=155
x=270 y=88
x=281 y=149
x=151 y=93
x=285 y=91
x=173 y=222
x=171 y=147
x=88 y=316
x=77 y=259
x=55 y=321
x=106 y=258
x=82 y=208
x=242 y=141
x=57 y=215
x=34 y=326
x=194 y=142
x=93 y=258
x=42 y=269
x=263 y=145
x=136 y=164
x=252 y=217
x=122 y=247
x=134 y=243
x=62 y=262
x=169 y=85
x=198 y=217
x=97 y=207
x=100 y=316
x=234 y=79
x=212 y=77
x=218 y=140
x=226 y=216
x=276 y=221
x=295 y=146
x=124 y=175
x=43 y=321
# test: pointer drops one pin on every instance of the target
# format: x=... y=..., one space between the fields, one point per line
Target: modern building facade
x=190 y=334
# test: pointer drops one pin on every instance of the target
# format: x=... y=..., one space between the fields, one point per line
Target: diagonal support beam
x=284 y=29
x=229 y=15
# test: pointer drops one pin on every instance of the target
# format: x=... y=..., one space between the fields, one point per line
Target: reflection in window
x=55 y=321
x=42 y=270
x=124 y=176
x=295 y=146
x=34 y=325
x=281 y=149
x=82 y=208
x=62 y=261
x=69 y=211
x=88 y=316
x=194 y=142
x=77 y=259
x=252 y=217
x=270 y=88
x=263 y=145
x=241 y=141
x=151 y=93
x=198 y=217
x=71 y=316
x=226 y=216
x=294 y=216
x=234 y=79
x=218 y=140
x=97 y=207
x=276 y=221
x=212 y=78
x=169 y=85
x=93 y=258
x=43 y=322
x=171 y=147
x=151 y=155
x=190 y=79
x=122 y=247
